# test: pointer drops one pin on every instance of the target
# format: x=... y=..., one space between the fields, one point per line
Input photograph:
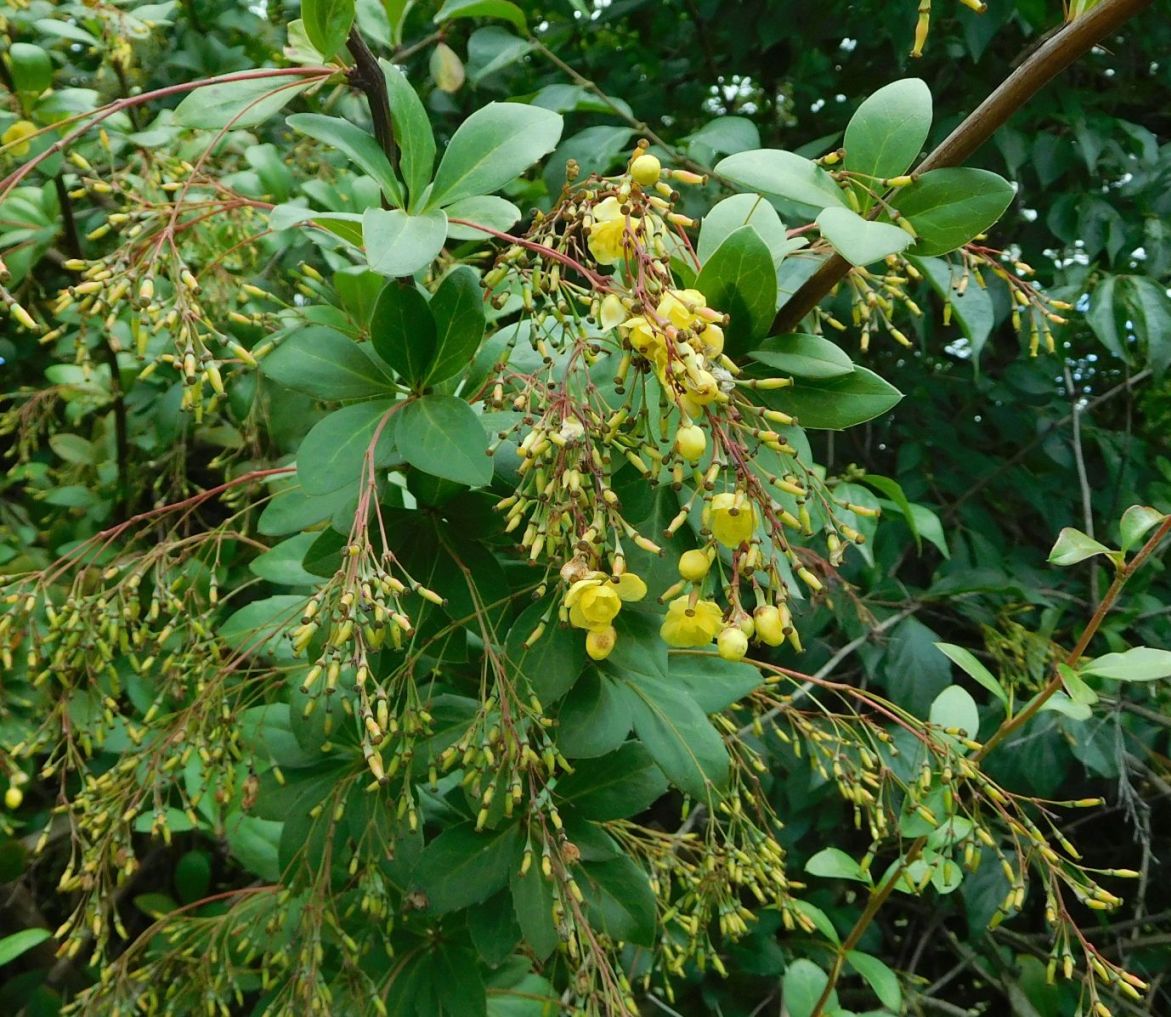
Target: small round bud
x=770 y=627
x=599 y=644
x=13 y=798
x=645 y=170
x=694 y=565
x=690 y=442
x=732 y=643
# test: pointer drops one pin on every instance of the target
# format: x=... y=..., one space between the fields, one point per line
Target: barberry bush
x=471 y=550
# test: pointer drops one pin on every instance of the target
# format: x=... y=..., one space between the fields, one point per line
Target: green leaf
x=486 y=210
x=267 y=731
x=402 y=330
x=400 y=245
x=615 y=786
x=678 y=735
x=554 y=662
x=504 y=9
x=1141 y=664
x=325 y=364
x=461 y=867
x=802 y=986
x=193 y=876
x=491 y=49
x=880 y=978
x=31 y=67
x=714 y=683
x=327 y=23
x=620 y=900
x=256 y=629
x=20 y=942
x=836 y=403
x=1059 y=702
x=491 y=148
x=1136 y=522
x=412 y=130
x=458 y=982
x=833 y=863
x=972 y=308
x=458 y=310
x=948 y=207
x=740 y=280
x=237 y=103
x=727 y=216
x=1077 y=689
x=532 y=900
x=255 y=844
x=955 y=708
x=972 y=667
x=333 y=454
x=1073 y=546
x=888 y=130
x=806 y=356
x=441 y=435
x=357 y=146
x=728 y=135
x=859 y=240
x=282 y=564
x=594 y=718
x=774 y=171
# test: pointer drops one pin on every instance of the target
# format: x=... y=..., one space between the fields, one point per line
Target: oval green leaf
x=442 y=435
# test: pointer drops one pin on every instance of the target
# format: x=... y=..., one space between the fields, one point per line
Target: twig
x=1037 y=70
x=1082 y=477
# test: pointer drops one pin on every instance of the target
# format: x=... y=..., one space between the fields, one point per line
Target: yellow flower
x=770 y=626
x=608 y=232
x=680 y=307
x=691 y=625
x=595 y=601
x=731 y=518
x=613 y=311
x=15 y=136
x=712 y=340
x=644 y=337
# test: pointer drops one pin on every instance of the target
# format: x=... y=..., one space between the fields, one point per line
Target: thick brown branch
x=367 y=76
x=1037 y=70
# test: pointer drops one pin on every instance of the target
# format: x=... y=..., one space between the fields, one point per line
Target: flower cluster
x=631 y=385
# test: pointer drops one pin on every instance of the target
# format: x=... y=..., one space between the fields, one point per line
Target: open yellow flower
x=680 y=307
x=15 y=136
x=731 y=518
x=595 y=601
x=608 y=232
x=690 y=624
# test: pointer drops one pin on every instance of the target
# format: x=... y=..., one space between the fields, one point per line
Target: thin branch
x=1083 y=478
x=1038 y=69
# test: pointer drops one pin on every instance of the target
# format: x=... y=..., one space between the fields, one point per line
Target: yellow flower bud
x=646 y=169
x=694 y=565
x=770 y=628
x=732 y=518
x=13 y=798
x=732 y=643
x=690 y=442
x=600 y=642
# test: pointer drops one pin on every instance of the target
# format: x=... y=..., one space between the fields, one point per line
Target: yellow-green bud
x=645 y=170
x=690 y=442
x=732 y=643
x=770 y=627
x=694 y=565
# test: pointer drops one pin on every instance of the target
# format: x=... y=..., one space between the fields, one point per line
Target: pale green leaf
x=774 y=171
x=398 y=244
x=966 y=661
x=806 y=356
x=1141 y=664
x=358 y=146
x=860 y=241
x=491 y=148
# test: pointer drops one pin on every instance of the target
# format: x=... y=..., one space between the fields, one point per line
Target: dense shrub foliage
x=518 y=509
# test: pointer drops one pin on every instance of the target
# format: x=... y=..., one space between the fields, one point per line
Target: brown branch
x=1038 y=69
x=367 y=76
